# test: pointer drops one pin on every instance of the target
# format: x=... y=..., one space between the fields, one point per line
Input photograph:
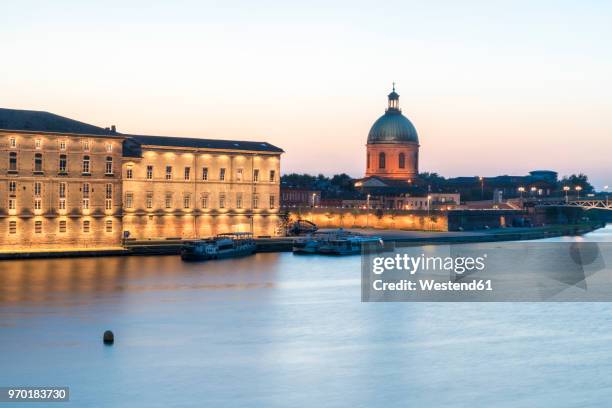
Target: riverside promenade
x=282 y=244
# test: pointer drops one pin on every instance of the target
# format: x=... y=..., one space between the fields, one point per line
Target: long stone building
x=64 y=183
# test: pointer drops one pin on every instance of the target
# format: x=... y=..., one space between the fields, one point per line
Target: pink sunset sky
x=492 y=89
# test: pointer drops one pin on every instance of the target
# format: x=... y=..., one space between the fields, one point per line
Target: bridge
x=586 y=203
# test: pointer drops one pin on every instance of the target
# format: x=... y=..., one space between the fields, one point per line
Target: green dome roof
x=393 y=127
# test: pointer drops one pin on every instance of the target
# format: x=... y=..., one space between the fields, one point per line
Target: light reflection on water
x=278 y=330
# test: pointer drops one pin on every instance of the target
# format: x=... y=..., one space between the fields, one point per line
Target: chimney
x=113 y=129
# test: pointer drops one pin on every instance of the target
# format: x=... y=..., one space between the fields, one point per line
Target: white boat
x=222 y=246
x=337 y=242
x=349 y=245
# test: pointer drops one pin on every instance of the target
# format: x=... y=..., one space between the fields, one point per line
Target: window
x=187 y=173
x=129 y=199
x=187 y=200
x=12 y=227
x=109 y=166
x=205 y=200
x=37 y=144
x=149 y=200
x=149 y=172
x=62 y=145
x=109 y=147
x=168 y=200
x=168 y=172
x=86 y=225
x=256 y=175
x=38 y=163
x=12 y=204
x=222 y=200
x=109 y=225
x=62 y=190
x=85 y=145
x=13 y=161
x=12 y=187
x=255 y=201
x=37 y=189
x=38 y=227
x=222 y=174
x=368 y=161
x=205 y=173
x=272 y=176
x=238 y=200
x=12 y=142
x=239 y=175
x=86 y=196
x=62 y=226
x=402 y=160
x=129 y=173
x=37 y=204
x=381 y=160
x=62 y=163
x=85 y=164
x=272 y=202
x=108 y=194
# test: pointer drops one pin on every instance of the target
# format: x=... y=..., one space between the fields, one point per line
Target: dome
x=393 y=127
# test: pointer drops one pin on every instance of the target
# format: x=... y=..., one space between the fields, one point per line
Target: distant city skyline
x=491 y=89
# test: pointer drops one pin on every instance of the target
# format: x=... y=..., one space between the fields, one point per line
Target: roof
x=39 y=121
x=393 y=127
x=30 y=120
x=196 y=143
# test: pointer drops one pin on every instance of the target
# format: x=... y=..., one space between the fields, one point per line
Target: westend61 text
x=431 y=285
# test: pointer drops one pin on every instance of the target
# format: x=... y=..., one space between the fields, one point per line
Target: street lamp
x=578 y=189
x=566 y=189
x=533 y=190
x=314 y=196
x=428 y=204
x=606 y=191
x=368 y=202
x=521 y=191
x=481 y=187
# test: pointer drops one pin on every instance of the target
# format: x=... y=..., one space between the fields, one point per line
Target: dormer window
x=109 y=147
x=62 y=145
x=12 y=142
x=38 y=144
x=85 y=145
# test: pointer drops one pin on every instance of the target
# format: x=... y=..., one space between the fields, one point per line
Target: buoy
x=109 y=337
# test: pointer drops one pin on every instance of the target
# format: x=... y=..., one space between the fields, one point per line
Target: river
x=278 y=330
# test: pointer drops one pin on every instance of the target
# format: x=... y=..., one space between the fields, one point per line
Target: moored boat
x=229 y=245
x=336 y=242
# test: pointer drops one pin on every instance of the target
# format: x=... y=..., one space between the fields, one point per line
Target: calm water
x=278 y=330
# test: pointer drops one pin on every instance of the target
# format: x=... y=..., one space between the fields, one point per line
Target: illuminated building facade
x=64 y=183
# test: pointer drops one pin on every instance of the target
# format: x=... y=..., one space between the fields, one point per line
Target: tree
x=574 y=180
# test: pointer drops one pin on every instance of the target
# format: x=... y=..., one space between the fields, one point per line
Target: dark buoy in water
x=109 y=337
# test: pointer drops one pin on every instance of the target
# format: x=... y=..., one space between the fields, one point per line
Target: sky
x=492 y=87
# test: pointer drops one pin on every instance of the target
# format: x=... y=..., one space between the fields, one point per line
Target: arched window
x=368 y=161
x=38 y=164
x=62 y=163
x=402 y=160
x=381 y=160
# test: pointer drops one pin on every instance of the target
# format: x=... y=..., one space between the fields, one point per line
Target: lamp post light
x=368 y=210
x=428 y=205
x=606 y=191
x=533 y=190
x=314 y=197
x=521 y=190
x=566 y=189
x=481 y=187
x=578 y=189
